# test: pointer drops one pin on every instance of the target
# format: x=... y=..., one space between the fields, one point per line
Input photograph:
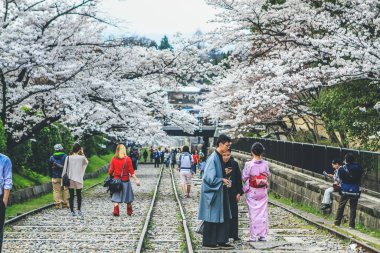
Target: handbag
x=115 y=185
x=200 y=227
x=107 y=181
x=65 y=178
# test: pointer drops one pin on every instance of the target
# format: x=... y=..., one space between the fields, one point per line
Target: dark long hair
x=76 y=148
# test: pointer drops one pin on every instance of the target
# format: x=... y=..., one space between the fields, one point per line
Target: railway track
x=166 y=224
x=157 y=225
x=53 y=230
x=289 y=231
x=163 y=221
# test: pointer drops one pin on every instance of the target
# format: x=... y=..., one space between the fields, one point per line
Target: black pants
x=157 y=162
x=217 y=233
x=2 y=220
x=234 y=225
x=353 y=205
x=79 y=199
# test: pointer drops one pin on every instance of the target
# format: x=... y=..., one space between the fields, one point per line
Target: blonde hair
x=121 y=152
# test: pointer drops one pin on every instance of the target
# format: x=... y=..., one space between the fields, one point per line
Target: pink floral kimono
x=257 y=200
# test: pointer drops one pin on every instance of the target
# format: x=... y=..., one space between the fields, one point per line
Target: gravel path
x=287 y=232
x=54 y=231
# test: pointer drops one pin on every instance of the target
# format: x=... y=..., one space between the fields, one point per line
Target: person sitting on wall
x=326 y=202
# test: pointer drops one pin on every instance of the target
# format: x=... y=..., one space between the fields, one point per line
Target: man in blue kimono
x=214 y=208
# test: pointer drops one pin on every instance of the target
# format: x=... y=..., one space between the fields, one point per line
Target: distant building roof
x=187 y=89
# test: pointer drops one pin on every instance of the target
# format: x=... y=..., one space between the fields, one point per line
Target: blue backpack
x=350 y=190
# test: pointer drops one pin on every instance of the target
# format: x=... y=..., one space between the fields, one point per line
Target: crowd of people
x=223 y=184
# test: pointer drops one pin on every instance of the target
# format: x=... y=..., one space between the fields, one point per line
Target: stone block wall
x=304 y=188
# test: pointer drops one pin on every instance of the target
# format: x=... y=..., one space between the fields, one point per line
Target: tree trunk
x=311 y=130
x=4 y=98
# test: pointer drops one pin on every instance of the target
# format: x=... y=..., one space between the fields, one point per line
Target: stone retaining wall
x=309 y=190
x=39 y=190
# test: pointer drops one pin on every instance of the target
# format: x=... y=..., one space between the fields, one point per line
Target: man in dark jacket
x=156 y=157
x=134 y=157
x=56 y=163
x=145 y=155
x=350 y=174
x=235 y=191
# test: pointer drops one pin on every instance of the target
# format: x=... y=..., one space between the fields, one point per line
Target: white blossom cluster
x=284 y=48
x=56 y=67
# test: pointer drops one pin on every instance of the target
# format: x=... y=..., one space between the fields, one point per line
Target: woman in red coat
x=121 y=166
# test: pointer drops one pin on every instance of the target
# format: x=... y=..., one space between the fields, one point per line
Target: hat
x=58 y=147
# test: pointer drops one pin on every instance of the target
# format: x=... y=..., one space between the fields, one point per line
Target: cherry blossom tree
x=283 y=48
x=55 y=66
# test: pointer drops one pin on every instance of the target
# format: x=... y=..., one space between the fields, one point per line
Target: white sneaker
x=72 y=214
x=80 y=214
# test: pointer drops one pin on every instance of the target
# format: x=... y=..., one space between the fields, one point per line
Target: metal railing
x=315 y=158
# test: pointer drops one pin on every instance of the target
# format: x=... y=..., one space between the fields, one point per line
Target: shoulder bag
x=65 y=178
x=115 y=184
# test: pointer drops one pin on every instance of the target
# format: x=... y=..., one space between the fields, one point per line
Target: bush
x=3 y=139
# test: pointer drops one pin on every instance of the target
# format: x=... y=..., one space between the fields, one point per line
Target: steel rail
x=337 y=233
x=40 y=209
x=189 y=244
x=149 y=215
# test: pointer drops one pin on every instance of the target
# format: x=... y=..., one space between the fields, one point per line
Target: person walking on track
x=121 y=168
x=75 y=166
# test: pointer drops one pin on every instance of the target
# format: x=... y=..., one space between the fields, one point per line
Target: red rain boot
x=129 y=210
x=116 y=211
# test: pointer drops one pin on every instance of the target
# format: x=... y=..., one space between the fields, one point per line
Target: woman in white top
x=75 y=166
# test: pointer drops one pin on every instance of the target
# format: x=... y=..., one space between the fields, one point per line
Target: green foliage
x=274 y=2
x=95 y=145
x=35 y=153
x=164 y=44
x=42 y=146
x=307 y=137
x=20 y=155
x=141 y=158
x=66 y=139
x=3 y=139
x=27 y=178
x=96 y=162
x=42 y=149
x=348 y=109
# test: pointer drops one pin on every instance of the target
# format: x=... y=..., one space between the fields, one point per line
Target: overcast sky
x=155 y=18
